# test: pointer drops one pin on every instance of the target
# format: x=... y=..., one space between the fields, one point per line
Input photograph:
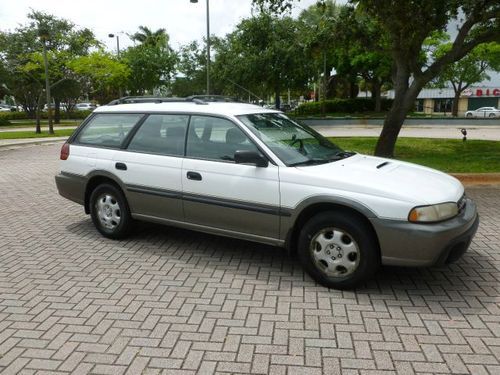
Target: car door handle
x=121 y=166
x=193 y=176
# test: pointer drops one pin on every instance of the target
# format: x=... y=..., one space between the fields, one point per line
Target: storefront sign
x=487 y=92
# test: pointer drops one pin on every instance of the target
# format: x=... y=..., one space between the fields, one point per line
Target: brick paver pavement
x=173 y=301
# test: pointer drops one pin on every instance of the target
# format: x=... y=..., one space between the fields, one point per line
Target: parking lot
x=173 y=301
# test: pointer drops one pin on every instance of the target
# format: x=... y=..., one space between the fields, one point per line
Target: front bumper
x=408 y=244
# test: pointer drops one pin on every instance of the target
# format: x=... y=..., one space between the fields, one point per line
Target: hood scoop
x=382 y=165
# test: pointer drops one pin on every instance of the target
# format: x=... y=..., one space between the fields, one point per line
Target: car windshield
x=293 y=143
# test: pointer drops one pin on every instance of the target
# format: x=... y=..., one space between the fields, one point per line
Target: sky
x=183 y=20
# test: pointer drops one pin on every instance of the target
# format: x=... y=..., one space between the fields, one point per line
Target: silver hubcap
x=108 y=211
x=334 y=252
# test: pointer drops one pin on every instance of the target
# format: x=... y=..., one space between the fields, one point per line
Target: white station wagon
x=243 y=171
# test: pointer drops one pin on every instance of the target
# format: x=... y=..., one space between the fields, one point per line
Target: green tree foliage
x=317 y=35
x=262 y=55
x=361 y=50
x=148 y=37
x=21 y=55
x=100 y=75
x=191 y=70
x=152 y=62
x=471 y=69
x=407 y=25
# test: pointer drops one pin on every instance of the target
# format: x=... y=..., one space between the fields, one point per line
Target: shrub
x=76 y=115
x=13 y=115
x=4 y=121
x=356 y=105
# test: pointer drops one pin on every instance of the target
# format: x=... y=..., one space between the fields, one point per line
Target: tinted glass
x=216 y=139
x=161 y=134
x=108 y=130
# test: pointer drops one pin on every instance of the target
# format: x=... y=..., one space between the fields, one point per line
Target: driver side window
x=215 y=138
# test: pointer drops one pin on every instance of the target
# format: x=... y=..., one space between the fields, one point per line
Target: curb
x=473 y=179
x=32 y=141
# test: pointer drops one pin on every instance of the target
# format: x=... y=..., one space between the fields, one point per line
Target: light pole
x=208 y=43
x=111 y=35
x=44 y=36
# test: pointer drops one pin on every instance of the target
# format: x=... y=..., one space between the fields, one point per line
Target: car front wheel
x=109 y=211
x=338 y=250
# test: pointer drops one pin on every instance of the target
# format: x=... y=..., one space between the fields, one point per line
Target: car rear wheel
x=109 y=211
x=338 y=250
x=492 y=115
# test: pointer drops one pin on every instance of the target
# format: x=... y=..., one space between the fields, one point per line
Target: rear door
x=218 y=193
x=151 y=167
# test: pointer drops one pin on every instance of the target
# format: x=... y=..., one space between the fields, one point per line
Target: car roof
x=215 y=108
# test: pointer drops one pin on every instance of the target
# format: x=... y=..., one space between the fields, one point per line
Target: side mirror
x=250 y=157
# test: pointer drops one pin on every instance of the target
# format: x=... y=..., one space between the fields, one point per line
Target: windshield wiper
x=342 y=155
x=309 y=162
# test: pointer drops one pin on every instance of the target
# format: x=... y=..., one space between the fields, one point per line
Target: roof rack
x=214 y=98
x=198 y=99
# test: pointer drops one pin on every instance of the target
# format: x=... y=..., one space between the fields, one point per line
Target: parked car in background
x=85 y=107
x=7 y=108
x=62 y=107
x=243 y=171
x=483 y=112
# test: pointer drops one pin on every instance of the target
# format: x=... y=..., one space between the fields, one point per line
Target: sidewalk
x=485 y=133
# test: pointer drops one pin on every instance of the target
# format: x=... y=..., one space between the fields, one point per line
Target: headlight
x=437 y=212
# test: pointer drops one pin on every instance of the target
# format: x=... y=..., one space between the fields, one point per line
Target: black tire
x=491 y=115
x=468 y=115
x=118 y=207
x=356 y=237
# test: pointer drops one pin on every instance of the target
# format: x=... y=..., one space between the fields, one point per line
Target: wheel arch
x=316 y=206
x=97 y=178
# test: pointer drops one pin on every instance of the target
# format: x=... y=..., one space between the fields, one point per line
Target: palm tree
x=146 y=36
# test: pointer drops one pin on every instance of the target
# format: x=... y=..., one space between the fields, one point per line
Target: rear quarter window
x=108 y=130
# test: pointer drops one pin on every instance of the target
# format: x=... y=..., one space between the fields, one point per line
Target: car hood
x=385 y=178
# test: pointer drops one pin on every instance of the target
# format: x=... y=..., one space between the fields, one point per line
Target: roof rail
x=214 y=98
x=146 y=99
x=198 y=99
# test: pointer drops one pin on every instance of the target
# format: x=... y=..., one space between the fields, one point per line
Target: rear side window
x=108 y=130
x=161 y=134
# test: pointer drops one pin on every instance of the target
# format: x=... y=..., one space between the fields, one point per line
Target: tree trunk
x=404 y=100
x=57 y=111
x=38 y=114
x=377 y=94
x=277 y=100
x=454 y=106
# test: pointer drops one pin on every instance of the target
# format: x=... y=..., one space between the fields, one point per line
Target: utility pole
x=208 y=44
x=120 y=91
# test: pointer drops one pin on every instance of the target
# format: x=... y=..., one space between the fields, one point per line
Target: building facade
x=440 y=101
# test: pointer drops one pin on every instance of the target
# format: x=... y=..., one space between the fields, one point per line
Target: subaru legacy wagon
x=243 y=171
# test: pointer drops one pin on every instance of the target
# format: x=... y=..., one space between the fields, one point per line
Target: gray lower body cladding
x=72 y=187
x=401 y=243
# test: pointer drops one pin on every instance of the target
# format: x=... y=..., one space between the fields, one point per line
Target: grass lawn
x=447 y=155
x=32 y=134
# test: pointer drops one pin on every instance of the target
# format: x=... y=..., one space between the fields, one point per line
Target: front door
x=217 y=192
